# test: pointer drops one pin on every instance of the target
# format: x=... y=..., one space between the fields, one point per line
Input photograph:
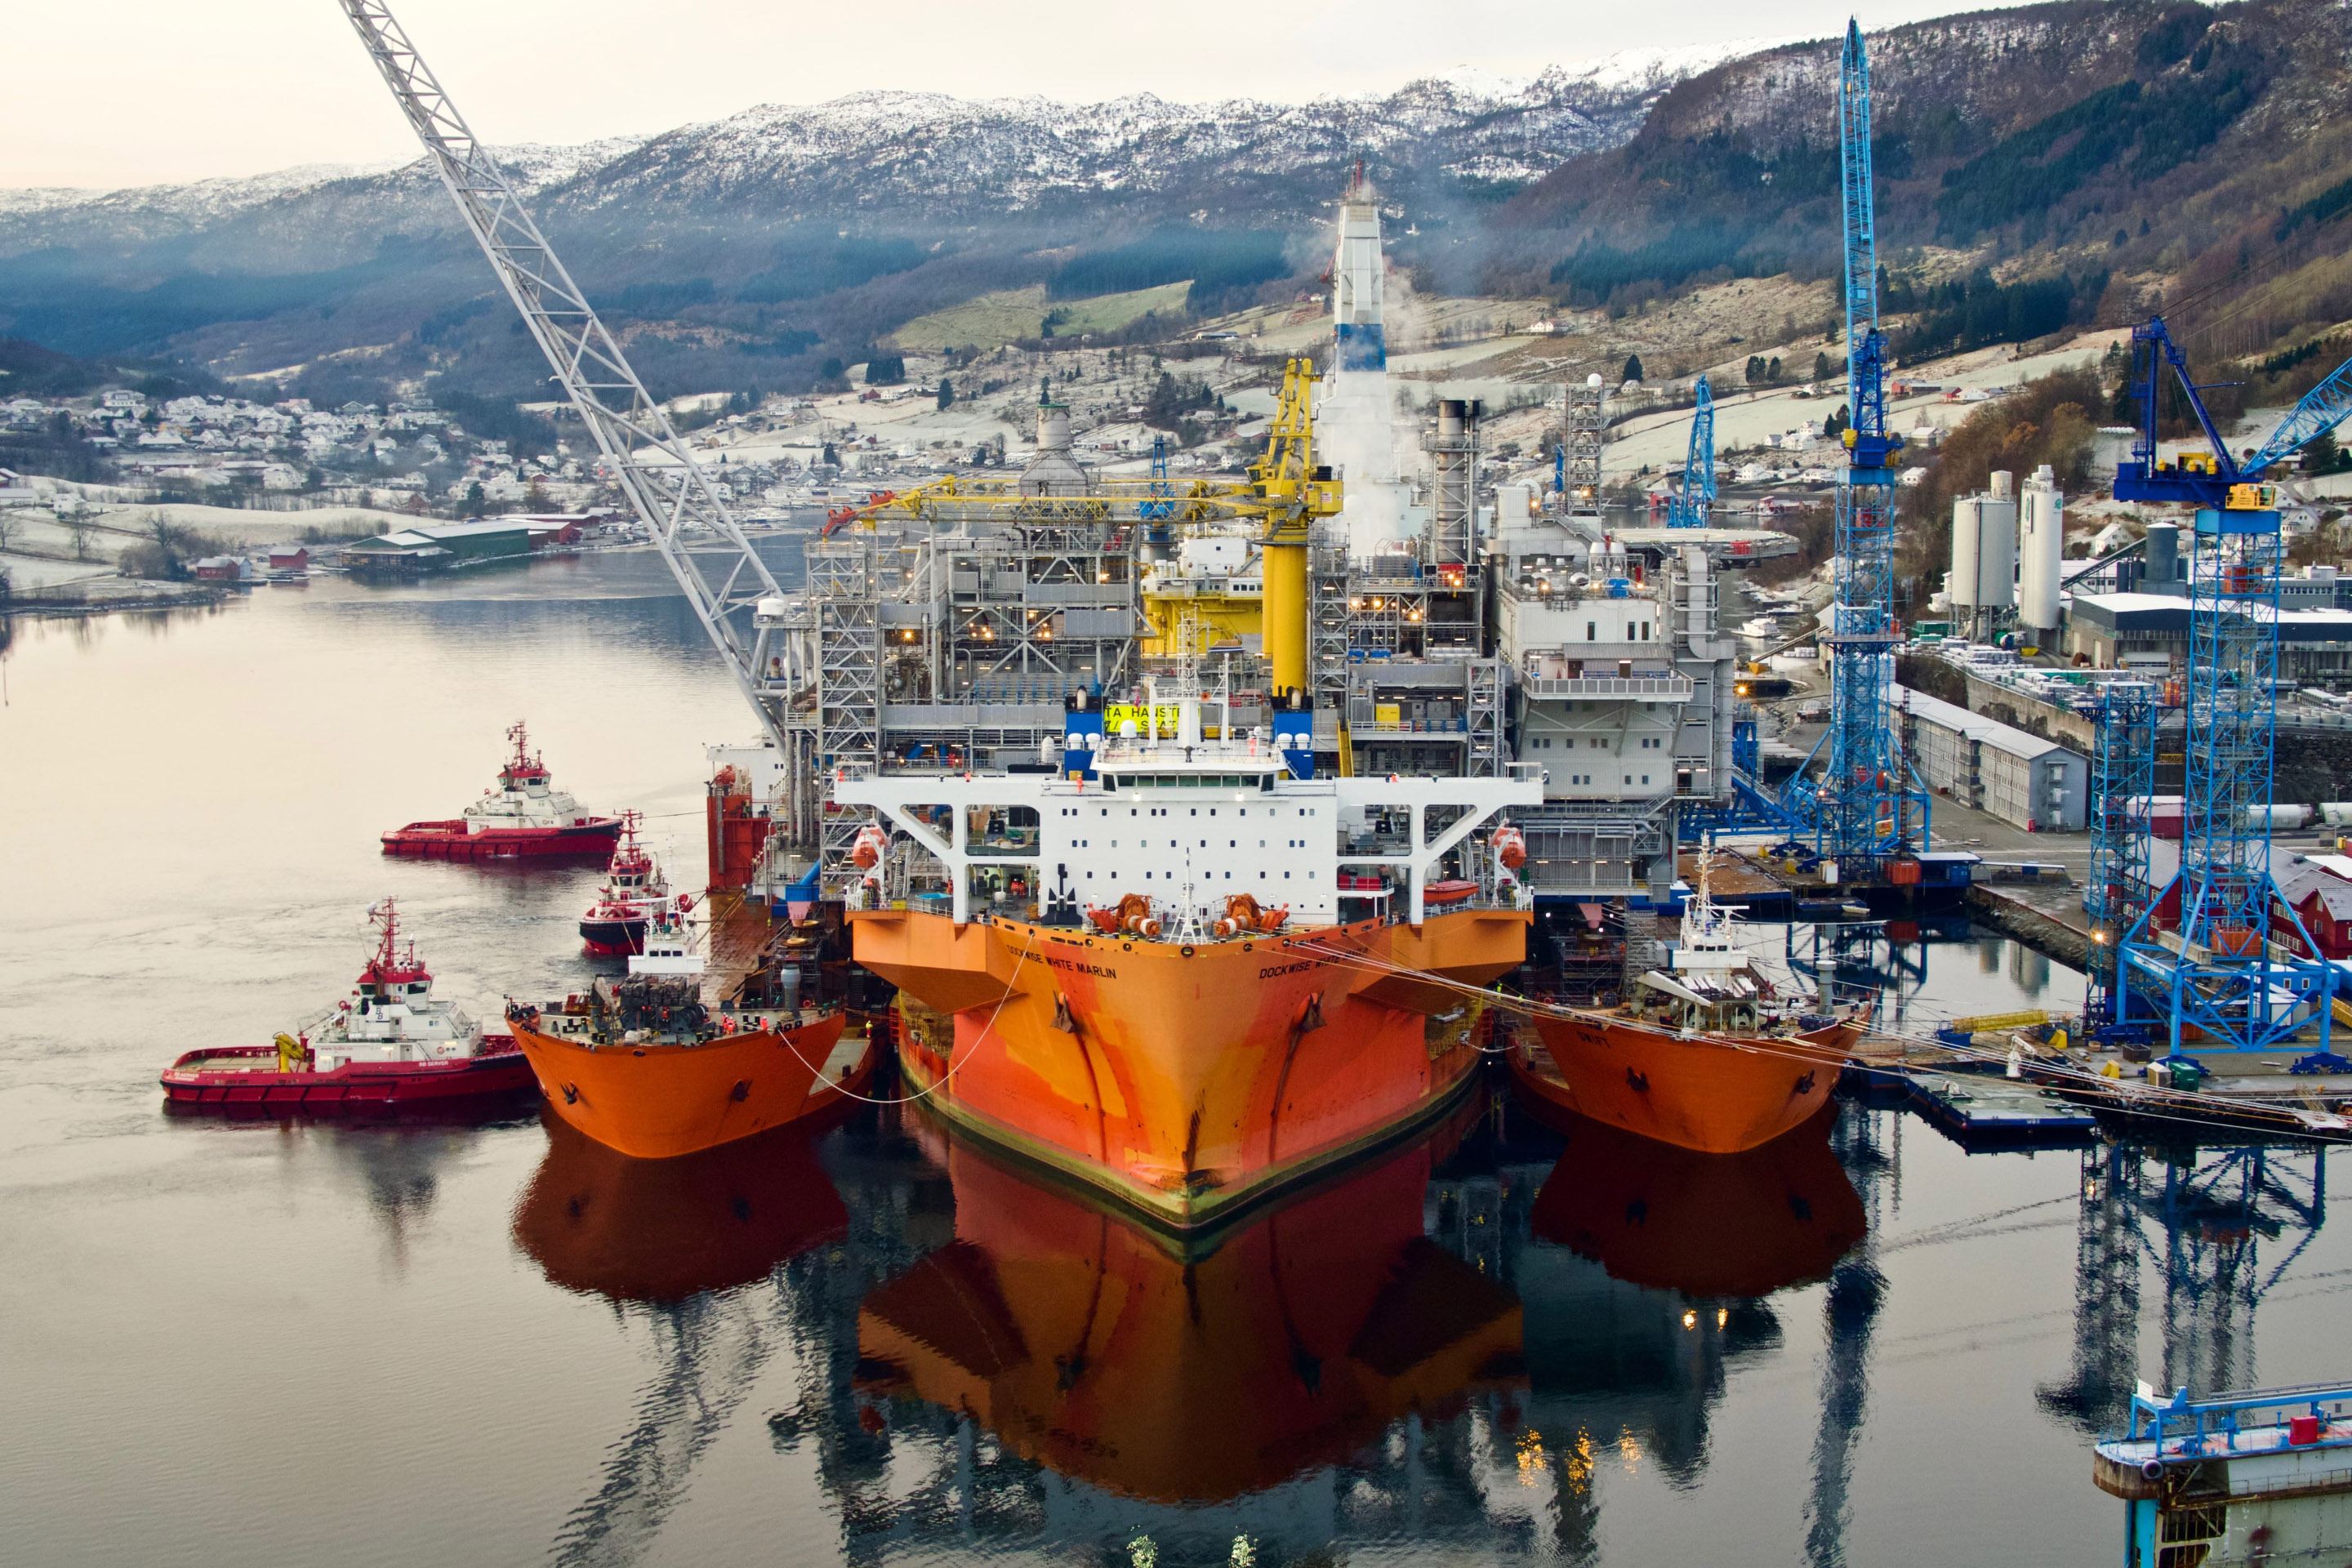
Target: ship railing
x=2189 y=1425
x=1442 y=729
x=1647 y=688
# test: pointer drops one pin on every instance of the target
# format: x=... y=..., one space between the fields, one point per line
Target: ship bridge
x=1188 y=824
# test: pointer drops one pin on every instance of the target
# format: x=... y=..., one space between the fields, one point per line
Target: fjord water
x=296 y=1343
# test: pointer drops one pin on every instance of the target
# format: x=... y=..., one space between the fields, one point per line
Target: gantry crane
x=1696 y=501
x=2219 y=981
x=1862 y=804
x=727 y=584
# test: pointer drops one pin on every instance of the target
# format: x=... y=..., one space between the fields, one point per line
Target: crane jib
x=671 y=495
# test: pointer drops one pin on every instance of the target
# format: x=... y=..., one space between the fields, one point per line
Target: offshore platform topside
x=1457 y=621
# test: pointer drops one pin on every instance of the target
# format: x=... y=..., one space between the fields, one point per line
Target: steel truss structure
x=1863 y=805
x=2218 y=981
x=666 y=487
x=1585 y=433
x=1695 y=500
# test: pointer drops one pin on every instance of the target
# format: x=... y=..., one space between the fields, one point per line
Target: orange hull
x=1712 y=1093
x=658 y=1101
x=1187 y=1083
x=1087 y=1345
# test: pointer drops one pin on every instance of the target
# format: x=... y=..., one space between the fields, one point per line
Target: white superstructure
x=390 y=1015
x=1152 y=807
x=526 y=795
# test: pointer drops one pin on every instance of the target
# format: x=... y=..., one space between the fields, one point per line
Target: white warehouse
x=2021 y=779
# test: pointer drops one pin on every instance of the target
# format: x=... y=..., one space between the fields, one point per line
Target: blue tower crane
x=1863 y=805
x=2231 y=974
x=1161 y=504
x=1696 y=501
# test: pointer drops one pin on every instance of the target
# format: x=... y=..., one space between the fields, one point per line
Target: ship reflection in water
x=1392 y=1356
x=1704 y=1224
x=680 y=1245
x=1100 y=1350
x=657 y=1232
x=996 y=1351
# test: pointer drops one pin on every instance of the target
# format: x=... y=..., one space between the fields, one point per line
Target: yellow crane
x=1284 y=495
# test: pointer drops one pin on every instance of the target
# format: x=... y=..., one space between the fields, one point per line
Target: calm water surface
x=303 y=1343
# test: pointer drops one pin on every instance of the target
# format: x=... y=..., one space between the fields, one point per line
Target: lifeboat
x=1510 y=847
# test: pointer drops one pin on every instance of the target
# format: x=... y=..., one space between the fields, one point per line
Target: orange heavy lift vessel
x=1184 y=971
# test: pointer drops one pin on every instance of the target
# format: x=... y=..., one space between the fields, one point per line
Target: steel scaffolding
x=2218 y=981
x=1585 y=433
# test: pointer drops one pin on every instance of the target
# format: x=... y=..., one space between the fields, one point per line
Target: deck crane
x=1696 y=501
x=2229 y=976
x=2208 y=478
x=670 y=493
x=1859 y=804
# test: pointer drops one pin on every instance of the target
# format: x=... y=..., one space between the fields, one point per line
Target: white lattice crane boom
x=674 y=498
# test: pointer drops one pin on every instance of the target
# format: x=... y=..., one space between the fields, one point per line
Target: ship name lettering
x=1100 y=971
x=1271 y=970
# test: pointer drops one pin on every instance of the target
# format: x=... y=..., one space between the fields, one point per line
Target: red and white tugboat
x=635 y=894
x=524 y=817
x=388 y=1045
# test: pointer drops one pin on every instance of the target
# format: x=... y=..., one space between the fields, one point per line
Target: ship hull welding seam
x=1186 y=1081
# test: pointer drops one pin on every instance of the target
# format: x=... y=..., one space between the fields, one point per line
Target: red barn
x=2319 y=890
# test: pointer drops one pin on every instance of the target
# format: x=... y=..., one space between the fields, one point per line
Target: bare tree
x=80 y=526
x=7 y=528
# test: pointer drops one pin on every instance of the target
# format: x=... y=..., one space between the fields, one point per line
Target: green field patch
x=1009 y=315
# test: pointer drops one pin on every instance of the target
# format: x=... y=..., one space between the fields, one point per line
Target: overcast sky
x=128 y=92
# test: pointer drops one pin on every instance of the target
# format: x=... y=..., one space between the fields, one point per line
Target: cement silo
x=2041 y=549
x=1984 y=556
x=1997 y=546
x=1968 y=526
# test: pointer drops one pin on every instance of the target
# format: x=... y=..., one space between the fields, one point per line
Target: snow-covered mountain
x=882 y=156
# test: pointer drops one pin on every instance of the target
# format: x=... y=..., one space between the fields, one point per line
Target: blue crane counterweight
x=1696 y=501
